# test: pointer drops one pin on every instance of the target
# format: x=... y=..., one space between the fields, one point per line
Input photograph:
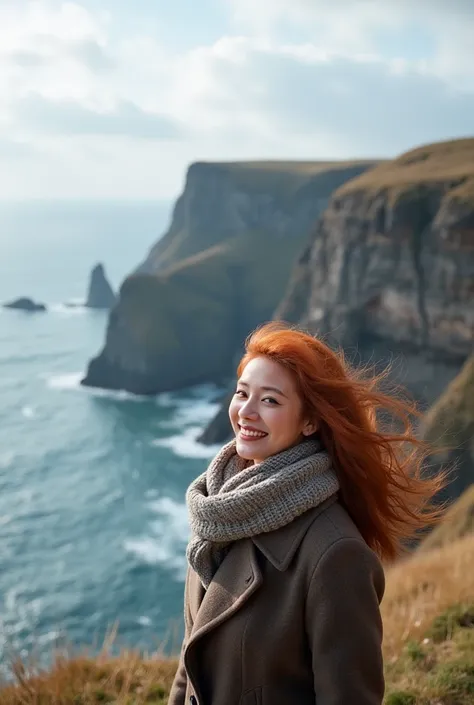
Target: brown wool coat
x=291 y=617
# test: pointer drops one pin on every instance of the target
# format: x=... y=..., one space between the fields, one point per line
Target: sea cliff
x=220 y=270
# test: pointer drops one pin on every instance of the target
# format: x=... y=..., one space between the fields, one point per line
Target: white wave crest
x=186 y=445
x=76 y=308
x=72 y=381
x=165 y=543
x=65 y=381
x=172 y=516
x=154 y=551
x=28 y=412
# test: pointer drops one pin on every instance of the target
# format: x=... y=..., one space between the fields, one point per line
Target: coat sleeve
x=178 y=689
x=344 y=625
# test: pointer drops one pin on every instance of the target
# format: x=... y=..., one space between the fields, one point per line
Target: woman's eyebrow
x=266 y=389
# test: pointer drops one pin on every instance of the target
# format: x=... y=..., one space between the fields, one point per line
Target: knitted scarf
x=235 y=499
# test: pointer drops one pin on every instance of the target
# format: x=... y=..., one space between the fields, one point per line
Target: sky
x=113 y=99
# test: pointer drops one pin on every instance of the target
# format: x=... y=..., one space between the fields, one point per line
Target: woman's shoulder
x=333 y=538
x=324 y=532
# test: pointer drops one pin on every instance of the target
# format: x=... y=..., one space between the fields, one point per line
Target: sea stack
x=100 y=294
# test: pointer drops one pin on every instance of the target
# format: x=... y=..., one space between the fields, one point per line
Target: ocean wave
x=73 y=310
x=167 y=536
x=194 y=412
x=69 y=380
x=174 y=514
x=72 y=381
x=144 y=621
x=155 y=551
x=28 y=412
x=186 y=445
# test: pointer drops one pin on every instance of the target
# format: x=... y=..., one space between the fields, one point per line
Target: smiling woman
x=289 y=527
x=264 y=424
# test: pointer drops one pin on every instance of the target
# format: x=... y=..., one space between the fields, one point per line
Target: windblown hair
x=383 y=485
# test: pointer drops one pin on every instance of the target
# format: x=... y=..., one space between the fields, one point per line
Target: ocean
x=93 y=524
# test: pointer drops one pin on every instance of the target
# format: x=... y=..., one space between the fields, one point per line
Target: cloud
x=314 y=14
x=351 y=27
x=39 y=114
x=298 y=93
x=10 y=148
x=305 y=79
x=49 y=50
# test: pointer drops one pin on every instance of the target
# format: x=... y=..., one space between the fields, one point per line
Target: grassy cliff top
x=297 y=167
x=281 y=175
x=428 y=615
x=450 y=421
x=451 y=161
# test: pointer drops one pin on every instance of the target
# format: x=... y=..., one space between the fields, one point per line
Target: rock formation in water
x=24 y=303
x=388 y=273
x=220 y=270
x=100 y=294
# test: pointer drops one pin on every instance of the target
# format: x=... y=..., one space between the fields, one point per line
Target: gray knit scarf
x=235 y=499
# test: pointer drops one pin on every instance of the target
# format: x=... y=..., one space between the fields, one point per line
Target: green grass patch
x=440 y=667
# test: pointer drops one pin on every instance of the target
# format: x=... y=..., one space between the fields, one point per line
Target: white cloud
x=349 y=27
x=358 y=106
x=39 y=114
x=305 y=79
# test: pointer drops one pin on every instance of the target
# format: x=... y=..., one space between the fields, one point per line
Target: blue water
x=93 y=525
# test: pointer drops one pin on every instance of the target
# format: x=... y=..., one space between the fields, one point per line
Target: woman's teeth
x=252 y=434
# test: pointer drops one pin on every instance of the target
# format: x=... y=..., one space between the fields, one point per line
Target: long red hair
x=382 y=483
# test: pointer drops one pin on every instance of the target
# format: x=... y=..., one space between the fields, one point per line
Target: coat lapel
x=236 y=579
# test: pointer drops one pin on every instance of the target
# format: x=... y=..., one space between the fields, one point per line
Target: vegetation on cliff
x=428 y=614
x=450 y=163
x=450 y=421
x=459 y=522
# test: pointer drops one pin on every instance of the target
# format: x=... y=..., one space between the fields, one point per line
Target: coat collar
x=240 y=575
x=280 y=546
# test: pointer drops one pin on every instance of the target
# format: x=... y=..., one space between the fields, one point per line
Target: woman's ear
x=309 y=428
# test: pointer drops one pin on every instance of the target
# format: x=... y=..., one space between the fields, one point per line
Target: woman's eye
x=271 y=400
x=239 y=393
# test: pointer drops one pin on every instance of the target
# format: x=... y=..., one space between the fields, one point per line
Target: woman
x=289 y=527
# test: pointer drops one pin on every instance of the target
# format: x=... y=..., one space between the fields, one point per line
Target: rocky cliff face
x=388 y=273
x=222 y=201
x=391 y=266
x=219 y=271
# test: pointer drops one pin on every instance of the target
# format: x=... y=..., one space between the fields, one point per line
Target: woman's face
x=266 y=411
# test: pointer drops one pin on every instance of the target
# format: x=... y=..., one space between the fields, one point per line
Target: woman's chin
x=244 y=451
x=248 y=450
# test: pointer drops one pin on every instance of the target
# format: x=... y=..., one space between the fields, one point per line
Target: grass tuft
x=445 y=624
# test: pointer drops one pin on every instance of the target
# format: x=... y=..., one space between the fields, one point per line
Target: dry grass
x=423 y=586
x=428 y=613
x=128 y=679
x=442 y=162
x=458 y=522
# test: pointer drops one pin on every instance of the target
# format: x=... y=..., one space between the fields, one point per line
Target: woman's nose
x=248 y=411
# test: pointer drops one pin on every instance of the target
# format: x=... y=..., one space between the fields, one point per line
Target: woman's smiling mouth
x=249 y=433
